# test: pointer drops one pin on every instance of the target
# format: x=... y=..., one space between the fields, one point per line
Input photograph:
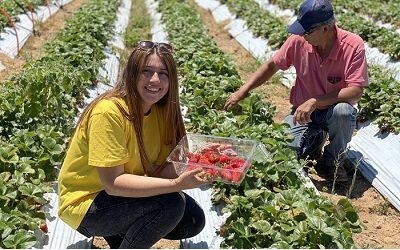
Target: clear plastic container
x=224 y=159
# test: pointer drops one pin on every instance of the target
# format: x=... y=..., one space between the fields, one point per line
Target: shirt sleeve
x=283 y=58
x=107 y=140
x=357 y=73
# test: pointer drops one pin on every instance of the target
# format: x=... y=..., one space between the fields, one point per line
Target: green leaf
x=49 y=143
x=262 y=226
x=6 y=231
x=239 y=227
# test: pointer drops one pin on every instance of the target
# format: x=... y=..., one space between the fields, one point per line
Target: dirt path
x=381 y=221
x=32 y=49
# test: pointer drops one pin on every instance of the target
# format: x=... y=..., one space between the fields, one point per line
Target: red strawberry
x=228 y=167
x=204 y=160
x=44 y=228
x=226 y=175
x=211 y=171
x=236 y=176
x=223 y=159
x=238 y=163
x=193 y=157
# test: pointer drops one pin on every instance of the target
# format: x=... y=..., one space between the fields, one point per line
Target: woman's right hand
x=191 y=179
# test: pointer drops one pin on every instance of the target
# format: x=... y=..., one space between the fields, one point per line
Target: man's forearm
x=349 y=94
x=263 y=74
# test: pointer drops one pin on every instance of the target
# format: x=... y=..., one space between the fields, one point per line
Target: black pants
x=141 y=222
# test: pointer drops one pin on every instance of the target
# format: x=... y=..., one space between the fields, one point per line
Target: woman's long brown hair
x=126 y=88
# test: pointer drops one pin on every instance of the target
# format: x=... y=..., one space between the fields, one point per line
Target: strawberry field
x=273 y=206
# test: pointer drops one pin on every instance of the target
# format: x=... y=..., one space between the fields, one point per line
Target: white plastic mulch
x=24 y=28
x=380 y=160
x=60 y=235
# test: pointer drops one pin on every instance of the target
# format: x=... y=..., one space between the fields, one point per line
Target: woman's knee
x=174 y=205
x=198 y=217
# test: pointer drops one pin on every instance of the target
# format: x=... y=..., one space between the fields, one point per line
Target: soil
x=45 y=32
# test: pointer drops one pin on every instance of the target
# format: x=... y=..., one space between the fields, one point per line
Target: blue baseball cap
x=311 y=13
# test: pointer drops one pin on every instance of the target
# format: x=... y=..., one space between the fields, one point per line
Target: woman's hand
x=191 y=179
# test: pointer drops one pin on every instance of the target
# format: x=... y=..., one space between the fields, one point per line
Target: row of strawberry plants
x=271 y=207
x=379 y=37
x=374 y=104
x=38 y=107
x=384 y=11
x=15 y=8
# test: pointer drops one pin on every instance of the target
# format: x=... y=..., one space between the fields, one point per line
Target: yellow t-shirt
x=109 y=141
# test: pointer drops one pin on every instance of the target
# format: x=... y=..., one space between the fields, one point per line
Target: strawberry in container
x=221 y=158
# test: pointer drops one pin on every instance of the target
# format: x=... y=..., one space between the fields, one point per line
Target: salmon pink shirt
x=345 y=66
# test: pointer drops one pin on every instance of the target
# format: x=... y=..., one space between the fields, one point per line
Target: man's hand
x=303 y=112
x=233 y=99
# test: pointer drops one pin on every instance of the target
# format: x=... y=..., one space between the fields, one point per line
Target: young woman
x=114 y=181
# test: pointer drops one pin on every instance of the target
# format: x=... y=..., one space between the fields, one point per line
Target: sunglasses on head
x=162 y=47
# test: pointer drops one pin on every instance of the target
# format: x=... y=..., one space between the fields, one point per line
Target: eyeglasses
x=311 y=31
x=162 y=47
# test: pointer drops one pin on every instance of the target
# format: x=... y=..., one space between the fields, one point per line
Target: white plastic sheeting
x=375 y=57
x=24 y=28
x=258 y=47
x=158 y=28
x=121 y=24
x=60 y=235
x=380 y=159
x=208 y=238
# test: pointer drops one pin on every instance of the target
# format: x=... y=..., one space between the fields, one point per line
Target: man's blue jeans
x=141 y=222
x=338 y=121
